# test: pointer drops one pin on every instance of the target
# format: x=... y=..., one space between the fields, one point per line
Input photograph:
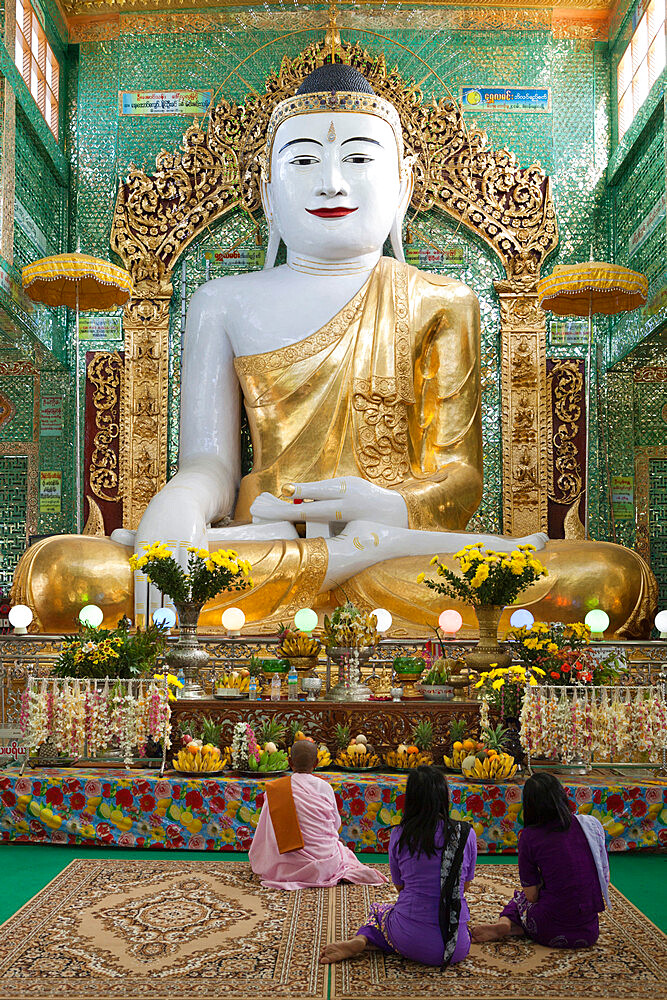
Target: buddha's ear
x=404 y=196
x=274 y=235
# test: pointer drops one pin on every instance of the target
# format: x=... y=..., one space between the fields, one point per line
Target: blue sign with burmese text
x=534 y=100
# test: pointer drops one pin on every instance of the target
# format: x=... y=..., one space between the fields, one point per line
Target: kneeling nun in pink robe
x=305 y=814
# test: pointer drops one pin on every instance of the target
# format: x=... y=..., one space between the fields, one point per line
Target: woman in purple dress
x=563 y=870
x=432 y=860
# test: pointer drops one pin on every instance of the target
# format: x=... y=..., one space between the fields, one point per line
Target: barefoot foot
x=495 y=932
x=340 y=950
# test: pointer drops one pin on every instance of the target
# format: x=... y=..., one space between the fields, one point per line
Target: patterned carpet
x=629 y=961
x=204 y=929
x=158 y=929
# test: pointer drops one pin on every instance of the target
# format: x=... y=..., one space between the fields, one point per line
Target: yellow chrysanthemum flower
x=433 y=561
x=420 y=578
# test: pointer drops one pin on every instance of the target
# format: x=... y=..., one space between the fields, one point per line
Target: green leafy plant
x=342 y=735
x=255 y=666
x=211 y=731
x=104 y=652
x=271 y=731
x=422 y=734
x=487 y=577
x=207 y=573
x=494 y=737
x=438 y=674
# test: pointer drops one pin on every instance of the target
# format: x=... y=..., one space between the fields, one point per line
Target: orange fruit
x=191 y=748
x=458 y=745
x=469 y=744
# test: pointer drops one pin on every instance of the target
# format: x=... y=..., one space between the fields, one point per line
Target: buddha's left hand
x=347 y=498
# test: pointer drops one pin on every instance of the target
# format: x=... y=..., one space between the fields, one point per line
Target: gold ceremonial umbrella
x=584 y=290
x=81 y=283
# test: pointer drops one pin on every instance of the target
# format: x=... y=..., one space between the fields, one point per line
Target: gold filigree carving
x=566 y=385
x=156 y=217
x=95 y=522
x=382 y=444
x=524 y=404
x=105 y=375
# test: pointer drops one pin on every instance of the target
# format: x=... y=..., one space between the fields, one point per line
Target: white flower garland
x=82 y=719
x=569 y=721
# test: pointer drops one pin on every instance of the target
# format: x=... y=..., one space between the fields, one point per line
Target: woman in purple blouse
x=432 y=861
x=563 y=870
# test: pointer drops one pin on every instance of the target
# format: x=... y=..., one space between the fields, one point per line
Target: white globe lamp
x=450 y=621
x=521 y=618
x=20 y=617
x=165 y=618
x=233 y=619
x=661 y=623
x=91 y=615
x=597 y=621
x=306 y=620
x=383 y=618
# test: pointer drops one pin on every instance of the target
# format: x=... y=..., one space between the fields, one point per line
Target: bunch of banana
x=460 y=751
x=270 y=760
x=404 y=758
x=235 y=679
x=299 y=644
x=358 y=757
x=198 y=759
x=498 y=767
x=323 y=756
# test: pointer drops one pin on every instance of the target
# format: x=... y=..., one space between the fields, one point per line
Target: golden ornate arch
x=157 y=216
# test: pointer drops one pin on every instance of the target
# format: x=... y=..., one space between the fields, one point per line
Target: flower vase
x=488 y=650
x=188 y=655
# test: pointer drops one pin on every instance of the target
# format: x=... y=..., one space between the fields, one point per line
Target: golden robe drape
x=388 y=390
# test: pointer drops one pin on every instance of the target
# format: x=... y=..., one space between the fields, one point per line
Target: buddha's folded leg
x=57 y=576
x=582 y=575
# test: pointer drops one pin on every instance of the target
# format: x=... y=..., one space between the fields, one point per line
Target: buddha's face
x=335 y=184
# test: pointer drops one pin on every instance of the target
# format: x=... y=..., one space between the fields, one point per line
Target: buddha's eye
x=358 y=158
x=304 y=160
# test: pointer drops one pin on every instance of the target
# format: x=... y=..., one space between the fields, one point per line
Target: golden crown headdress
x=333 y=87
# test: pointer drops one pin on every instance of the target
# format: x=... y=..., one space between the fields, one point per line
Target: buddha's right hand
x=174 y=516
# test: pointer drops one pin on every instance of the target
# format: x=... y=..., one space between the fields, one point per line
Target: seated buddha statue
x=360 y=377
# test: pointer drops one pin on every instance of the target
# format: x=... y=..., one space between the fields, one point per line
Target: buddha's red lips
x=330 y=213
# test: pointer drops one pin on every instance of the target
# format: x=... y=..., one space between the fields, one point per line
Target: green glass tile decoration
x=19 y=392
x=13 y=504
x=658 y=524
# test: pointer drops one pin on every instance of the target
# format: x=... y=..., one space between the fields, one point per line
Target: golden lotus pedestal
x=409 y=684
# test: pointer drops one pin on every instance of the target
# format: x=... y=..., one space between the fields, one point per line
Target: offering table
x=384 y=723
x=120 y=808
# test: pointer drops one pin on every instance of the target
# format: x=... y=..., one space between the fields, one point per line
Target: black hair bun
x=335 y=76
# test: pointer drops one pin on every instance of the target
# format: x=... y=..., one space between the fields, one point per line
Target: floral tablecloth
x=140 y=809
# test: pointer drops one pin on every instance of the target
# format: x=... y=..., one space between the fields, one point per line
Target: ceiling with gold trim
x=95 y=8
